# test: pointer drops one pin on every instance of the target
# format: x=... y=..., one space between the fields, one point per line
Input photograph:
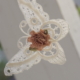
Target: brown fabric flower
x=39 y=40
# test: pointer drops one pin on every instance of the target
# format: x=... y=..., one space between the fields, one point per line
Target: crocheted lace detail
x=37 y=19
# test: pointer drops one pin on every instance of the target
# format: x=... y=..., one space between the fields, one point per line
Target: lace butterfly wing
x=23 y=60
x=33 y=13
x=55 y=55
x=57 y=29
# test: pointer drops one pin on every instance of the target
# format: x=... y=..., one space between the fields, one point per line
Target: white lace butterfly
x=37 y=19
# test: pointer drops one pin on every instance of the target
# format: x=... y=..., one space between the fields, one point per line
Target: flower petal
x=55 y=55
x=50 y=32
x=58 y=28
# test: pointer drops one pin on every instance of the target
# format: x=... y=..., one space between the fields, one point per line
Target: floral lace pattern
x=37 y=20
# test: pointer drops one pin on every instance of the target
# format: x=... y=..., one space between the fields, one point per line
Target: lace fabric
x=37 y=19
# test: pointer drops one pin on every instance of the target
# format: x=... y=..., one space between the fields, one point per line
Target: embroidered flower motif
x=42 y=36
x=39 y=40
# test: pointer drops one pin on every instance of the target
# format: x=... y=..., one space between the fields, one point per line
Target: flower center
x=39 y=40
